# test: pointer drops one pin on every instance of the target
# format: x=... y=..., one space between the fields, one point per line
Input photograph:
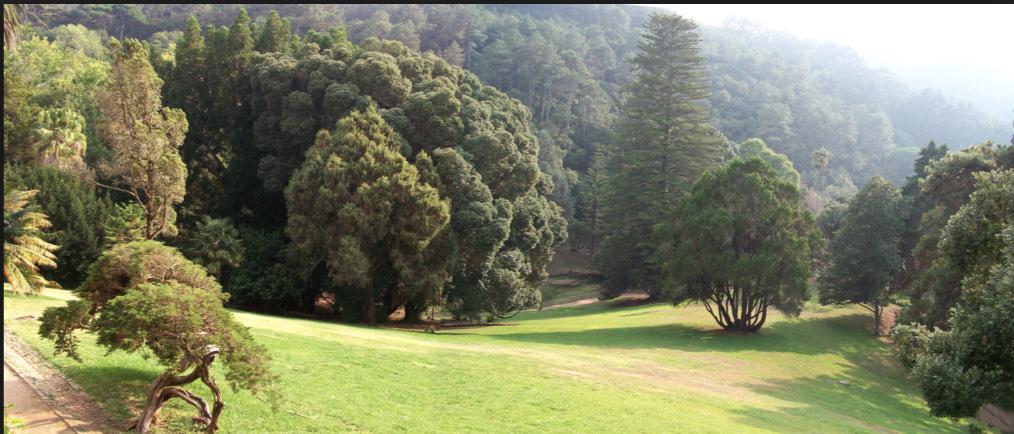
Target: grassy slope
x=585 y=369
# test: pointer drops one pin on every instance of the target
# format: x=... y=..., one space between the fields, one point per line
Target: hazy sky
x=924 y=44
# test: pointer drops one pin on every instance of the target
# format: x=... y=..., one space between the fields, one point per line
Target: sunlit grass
x=591 y=368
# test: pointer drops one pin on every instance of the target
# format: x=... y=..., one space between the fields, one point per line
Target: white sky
x=954 y=40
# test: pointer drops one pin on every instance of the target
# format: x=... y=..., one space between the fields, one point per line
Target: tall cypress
x=666 y=144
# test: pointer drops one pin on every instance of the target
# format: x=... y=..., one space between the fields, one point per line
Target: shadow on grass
x=801 y=336
x=117 y=389
x=870 y=395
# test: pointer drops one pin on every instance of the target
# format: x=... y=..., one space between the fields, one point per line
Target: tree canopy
x=741 y=242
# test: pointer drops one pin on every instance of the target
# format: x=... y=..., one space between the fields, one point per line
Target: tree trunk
x=371 y=305
x=166 y=387
x=878 y=312
x=737 y=309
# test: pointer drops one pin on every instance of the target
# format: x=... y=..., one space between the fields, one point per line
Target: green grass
x=591 y=368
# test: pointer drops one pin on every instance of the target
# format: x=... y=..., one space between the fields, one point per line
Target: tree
x=144 y=137
x=125 y=224
x=144 y=296
x=973 y=362
x=666 y=144
x=78 y=216
x=593 y=186
x=24 y=249
x=60 y=140
x=273 y=35
x=741 y=243
x=865 y=250
x=934 y=286
x=216 y=245
x=358 y=208
x=59 y=79
x=779 y=162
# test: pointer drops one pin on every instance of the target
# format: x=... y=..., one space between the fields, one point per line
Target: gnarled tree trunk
x=167 y=386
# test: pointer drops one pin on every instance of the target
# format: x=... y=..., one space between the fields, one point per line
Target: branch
x=131 y=193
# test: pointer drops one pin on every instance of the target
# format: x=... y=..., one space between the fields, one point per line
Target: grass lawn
x=592 y=368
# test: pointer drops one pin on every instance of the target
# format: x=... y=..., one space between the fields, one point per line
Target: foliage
x=59 y=140
x=757 y=148
x=909 y=341
x=971 y=363
x=144 y=138
x=24 y=249
x=216 y=245
x=264 y=280
x=125 y=224
x=665 y=144
x=934 y=284
x=587 y=229
x=974 y=362
x=741 y=243
x=864 y=251
x=77 y=213
x=358 y=208
x=207 y=81
x=57 y=78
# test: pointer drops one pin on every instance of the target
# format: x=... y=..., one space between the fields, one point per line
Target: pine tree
x=666 y=145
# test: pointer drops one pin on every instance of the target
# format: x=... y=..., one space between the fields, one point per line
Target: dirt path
x=46 y=400
x=33 y=415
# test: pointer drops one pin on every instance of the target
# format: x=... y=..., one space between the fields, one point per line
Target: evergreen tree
x=593 y=186
x=779 y=162
x=865 y=250
x=144 y=136
x=665 y=145
x=78 y=216
x=146 y=296
x=274 y=35
x=359 y=209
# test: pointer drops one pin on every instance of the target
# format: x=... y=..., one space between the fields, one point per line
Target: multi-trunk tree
x=665 y=144
x=742 y=242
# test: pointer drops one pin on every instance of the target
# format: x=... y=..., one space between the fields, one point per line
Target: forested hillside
x=568 y=64
x=422 y=166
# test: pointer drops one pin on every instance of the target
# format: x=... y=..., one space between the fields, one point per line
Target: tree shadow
x=801 y=336
x=123 y=388
x=584 y=310
x=871 y=394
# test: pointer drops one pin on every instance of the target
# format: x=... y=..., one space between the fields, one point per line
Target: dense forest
x=361 y=162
